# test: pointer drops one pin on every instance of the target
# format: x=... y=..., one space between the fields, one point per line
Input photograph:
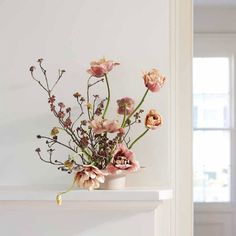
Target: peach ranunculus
x=153 y=119
x=100 y=68
x=123 y=161
x=154 y=80
x=99 y=125
x=125 y=105
x=89 y=177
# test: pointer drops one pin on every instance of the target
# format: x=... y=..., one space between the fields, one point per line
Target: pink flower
x=67 y=123
x=125 y=105
x=121 y=132
x=97 y=125
x=123 y=161
x=153 y=119
x=100 y=68
x=52 y=99
x=154 y=80
x=111 y=126
x=61 y=114
x=100 y=125
x=89 y=177
x=61 y=105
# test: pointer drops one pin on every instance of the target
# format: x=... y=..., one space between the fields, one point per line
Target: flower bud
x=59 y=200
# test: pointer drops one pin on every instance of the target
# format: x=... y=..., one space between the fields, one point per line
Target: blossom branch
x=45 y=74
x=61 y=72
x=56 y=162
x=45 y=137
x=81 y=113
x=32 y=68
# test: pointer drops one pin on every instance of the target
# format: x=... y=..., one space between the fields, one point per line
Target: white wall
x=69 y=35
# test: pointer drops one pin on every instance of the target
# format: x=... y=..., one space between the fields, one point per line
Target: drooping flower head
x=89 y=177
x=101 y=67
x=153 y=119
x=125 y=106
x=154 y=80
x=100 y=125
x=54 y=131
x=123 y=161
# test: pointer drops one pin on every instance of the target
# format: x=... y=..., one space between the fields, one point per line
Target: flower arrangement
x=97 y=146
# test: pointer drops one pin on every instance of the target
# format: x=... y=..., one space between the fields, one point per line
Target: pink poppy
x=89 y=177
x=123 y=161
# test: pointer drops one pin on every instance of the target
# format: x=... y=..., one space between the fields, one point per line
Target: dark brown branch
x=44 y=137
x=61 y=72
x=45 y=75
x=32 y=75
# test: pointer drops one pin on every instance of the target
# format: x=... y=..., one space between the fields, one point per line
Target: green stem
x=139 y=105
x=139 y=137
x=124 y=119
x=87 y=154
x=108 y=97
x=58 y=198
x=88 y=87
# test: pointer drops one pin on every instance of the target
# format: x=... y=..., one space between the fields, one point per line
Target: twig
x=44 y=137
x=61 y=72
x=101 y=80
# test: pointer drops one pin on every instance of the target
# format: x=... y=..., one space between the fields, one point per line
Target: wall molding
x=181 y=38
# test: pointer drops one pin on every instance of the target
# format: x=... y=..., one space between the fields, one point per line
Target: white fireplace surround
x=131 y=211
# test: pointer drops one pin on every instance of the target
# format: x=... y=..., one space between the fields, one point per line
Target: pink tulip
x=123 y=161
x=154 y=80
x=125 y=105
x=100 y=68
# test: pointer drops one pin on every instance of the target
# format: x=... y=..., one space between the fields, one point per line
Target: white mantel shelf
x=47 y=193
x=83 y=213
x=129 y=197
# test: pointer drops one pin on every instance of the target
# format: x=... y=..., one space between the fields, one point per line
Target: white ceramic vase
x=114 y=182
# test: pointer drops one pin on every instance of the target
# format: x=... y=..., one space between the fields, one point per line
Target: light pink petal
x=111 y=168
x=98 y=71
x=96 y=184
x=100 y=179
